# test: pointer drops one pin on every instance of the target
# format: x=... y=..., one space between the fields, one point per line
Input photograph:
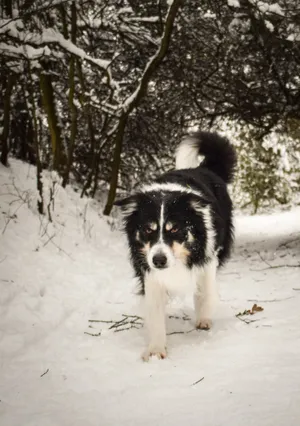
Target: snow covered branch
x=133 y=100
x=46 y=6
x=156 y=59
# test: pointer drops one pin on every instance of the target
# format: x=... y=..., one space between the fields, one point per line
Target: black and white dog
x=180 y=229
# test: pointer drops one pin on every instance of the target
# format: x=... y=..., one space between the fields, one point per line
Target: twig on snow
x=127 y=328
x=126 y=323
x=270 y=300
x=131 y=316
x=11 y=217
x=198 y=381
x=180 y=332
x=45 y=372
x=184 y=318
x=264 y=260
x=288 y=242
x=133 y=321
x=230 y=273
x=49 y=240
x=93 y=334
x=44 y=232
x=59 y=248
x=297 y=265
x=273 y=266
x=246 y=320
x=44 y=229
x=118 y=323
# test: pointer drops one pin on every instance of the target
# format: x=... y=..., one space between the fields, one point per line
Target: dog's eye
x=174 y=229
x=148 y=230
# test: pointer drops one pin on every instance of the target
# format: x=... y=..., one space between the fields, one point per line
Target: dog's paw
x=160 y=353
x=204 y=324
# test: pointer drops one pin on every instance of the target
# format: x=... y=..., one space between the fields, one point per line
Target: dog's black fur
x=197 y=235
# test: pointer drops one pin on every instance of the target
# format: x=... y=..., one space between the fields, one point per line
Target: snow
x=49 y=35
x=268 y=8
x=293 y=37
x=269 y=25
x=234 y=3
x=26 y=50
x=55 y=277
x=142 y=19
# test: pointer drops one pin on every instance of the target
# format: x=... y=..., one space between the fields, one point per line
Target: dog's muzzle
x=160 y=260
x=160 y=257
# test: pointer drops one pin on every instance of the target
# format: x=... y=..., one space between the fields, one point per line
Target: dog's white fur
x=211 y=235
x=170 y=187
x=206 y=295
x=164 y=249
x=159 y=284
x=155 y=318
x=187 y=154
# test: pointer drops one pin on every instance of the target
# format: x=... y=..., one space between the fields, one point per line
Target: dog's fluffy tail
x=219 y=155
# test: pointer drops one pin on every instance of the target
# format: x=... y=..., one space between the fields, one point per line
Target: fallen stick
x=198 y=381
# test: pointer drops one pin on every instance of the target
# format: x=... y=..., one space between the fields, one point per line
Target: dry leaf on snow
x=255 y=308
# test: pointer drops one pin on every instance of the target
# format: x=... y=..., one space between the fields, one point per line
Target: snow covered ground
x=58 y=368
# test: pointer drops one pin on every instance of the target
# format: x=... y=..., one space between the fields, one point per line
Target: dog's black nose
x=160 y=261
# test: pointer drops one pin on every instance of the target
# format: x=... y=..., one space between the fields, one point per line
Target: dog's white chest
x=177 y=280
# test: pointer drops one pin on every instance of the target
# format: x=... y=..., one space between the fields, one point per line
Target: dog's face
x=164 y=240
x=163 y=229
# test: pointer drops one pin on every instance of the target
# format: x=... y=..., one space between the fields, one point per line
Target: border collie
x=179 y=230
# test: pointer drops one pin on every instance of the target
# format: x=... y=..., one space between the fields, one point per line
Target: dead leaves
x=255 y=308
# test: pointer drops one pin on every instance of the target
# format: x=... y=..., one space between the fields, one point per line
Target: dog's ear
x=128 y=205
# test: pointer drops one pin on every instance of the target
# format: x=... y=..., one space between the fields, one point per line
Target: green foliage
x=268 y=171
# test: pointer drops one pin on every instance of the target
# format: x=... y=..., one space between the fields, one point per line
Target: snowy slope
x=59 y=368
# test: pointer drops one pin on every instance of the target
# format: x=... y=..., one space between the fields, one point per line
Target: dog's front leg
x=155 y=319
x=206 y=296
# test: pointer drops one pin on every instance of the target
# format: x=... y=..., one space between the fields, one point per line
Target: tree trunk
x=97 y=157
x=72 y=106
x=40 y=202
x=7 y=8
x=86 y=109
x=49 y=105
x=6 y=119
x=116 y=164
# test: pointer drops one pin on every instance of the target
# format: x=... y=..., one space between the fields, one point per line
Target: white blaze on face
x=160 y=247
x=161 y=222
